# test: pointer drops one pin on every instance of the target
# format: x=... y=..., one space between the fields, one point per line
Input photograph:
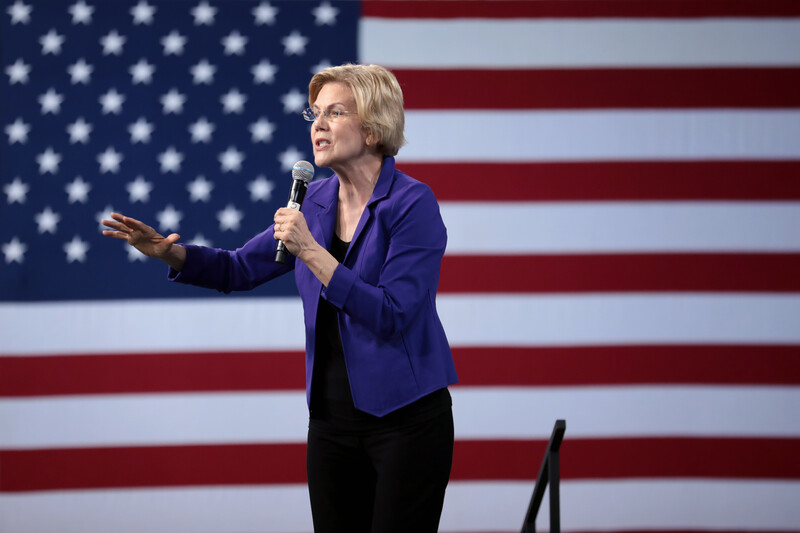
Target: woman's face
x=342 y=142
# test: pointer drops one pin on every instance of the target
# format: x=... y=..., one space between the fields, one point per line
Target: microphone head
x=303 y=170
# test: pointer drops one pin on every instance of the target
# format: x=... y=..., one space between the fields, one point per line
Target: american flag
x=620 y=182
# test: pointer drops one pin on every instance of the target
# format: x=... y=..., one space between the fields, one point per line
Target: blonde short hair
x=379 y=101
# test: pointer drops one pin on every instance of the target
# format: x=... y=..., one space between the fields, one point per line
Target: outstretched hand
x=141 y=236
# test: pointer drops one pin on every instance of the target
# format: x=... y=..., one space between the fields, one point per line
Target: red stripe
x=627 y=365
x=580 y=8
x=151 y=372
x=600 y=88
x=260 y=464
x=621 y=180
x=521 y=366
x=631 y=458
x=582 y=273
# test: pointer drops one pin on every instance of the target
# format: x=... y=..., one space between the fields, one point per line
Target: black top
x=331 y=400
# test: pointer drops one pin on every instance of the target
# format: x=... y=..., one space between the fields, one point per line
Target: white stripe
x=641 y=505
x=602 y=227
x=491 y=506
x=479 y=412
x=591 y=135
x=469 y=320
x=613 y=319
x=540 y=43
x=151 y=325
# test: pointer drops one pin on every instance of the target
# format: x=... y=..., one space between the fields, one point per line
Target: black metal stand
x=549 y=472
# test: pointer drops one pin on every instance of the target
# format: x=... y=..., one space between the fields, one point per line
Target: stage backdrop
x=621 y=187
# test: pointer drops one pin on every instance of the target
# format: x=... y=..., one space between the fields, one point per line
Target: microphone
x=302 y=172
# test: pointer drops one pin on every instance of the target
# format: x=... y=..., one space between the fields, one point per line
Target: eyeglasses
x=332 y=114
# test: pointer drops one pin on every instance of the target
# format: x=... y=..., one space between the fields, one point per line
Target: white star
x=294 y=101
x=289 y=157
x=142 y=72
x=78 y=190
x=264 y=72
x=76 y=250
x=229 y=218
x=139 y=190
x=260 y=189
x=47 y=220
x=234 y=43
x=200 y=189
x=112 y=43
x=173 y=43
x=325 y=14
x=231 y=160
x=18 y=132
x=48 y=161
x=18 y=72
x=233 y=101
x=203 y=72
x=294 y=44
x=80 y=72
x=79 y=131
x=264 y=13
x=81 y=12
x=109 y=160
x=262 y=130
x=16 y=191
x=112 y=102
x=169 y=219
x=103 y=215
x=199 y=240
x=322 y=65
x=51 y=102
x=14 y=250
x=20 y=12
x=134 y=254
x=170 y=160
x=140 y=131
x=201 y=130
x=172 y=102
x=51 y=43
x=143 y=13
x=204 y=14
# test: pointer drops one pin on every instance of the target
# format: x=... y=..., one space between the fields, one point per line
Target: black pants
x=383 y=482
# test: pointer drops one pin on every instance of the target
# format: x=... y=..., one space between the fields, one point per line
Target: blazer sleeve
x=409 y=275
x=233 y=270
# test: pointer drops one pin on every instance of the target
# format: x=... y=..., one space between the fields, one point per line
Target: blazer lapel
x=380 y=192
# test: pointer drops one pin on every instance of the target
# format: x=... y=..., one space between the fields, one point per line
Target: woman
x=366 y=252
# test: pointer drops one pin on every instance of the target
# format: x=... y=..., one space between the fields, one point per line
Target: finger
x=116 y=225
x=136 y=224
x=172 y=238
x=116 y=234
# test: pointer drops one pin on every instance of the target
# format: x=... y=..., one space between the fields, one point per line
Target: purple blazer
x=395 y=348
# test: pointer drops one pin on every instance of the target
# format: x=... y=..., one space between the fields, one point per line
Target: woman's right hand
x=146 y=239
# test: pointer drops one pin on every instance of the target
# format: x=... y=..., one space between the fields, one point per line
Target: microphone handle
x=296 y=197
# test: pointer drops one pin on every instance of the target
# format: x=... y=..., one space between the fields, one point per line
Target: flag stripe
x=621 y=273
x=702 y=505
x=258 y=464
x=631 y=505
x=473 y=320
x=523 y=228
x=609 y=180
x=269 y=417
x=602 y=135
x=571 y=8
x=60 y=375
x=570 y=43
x=593 y=88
